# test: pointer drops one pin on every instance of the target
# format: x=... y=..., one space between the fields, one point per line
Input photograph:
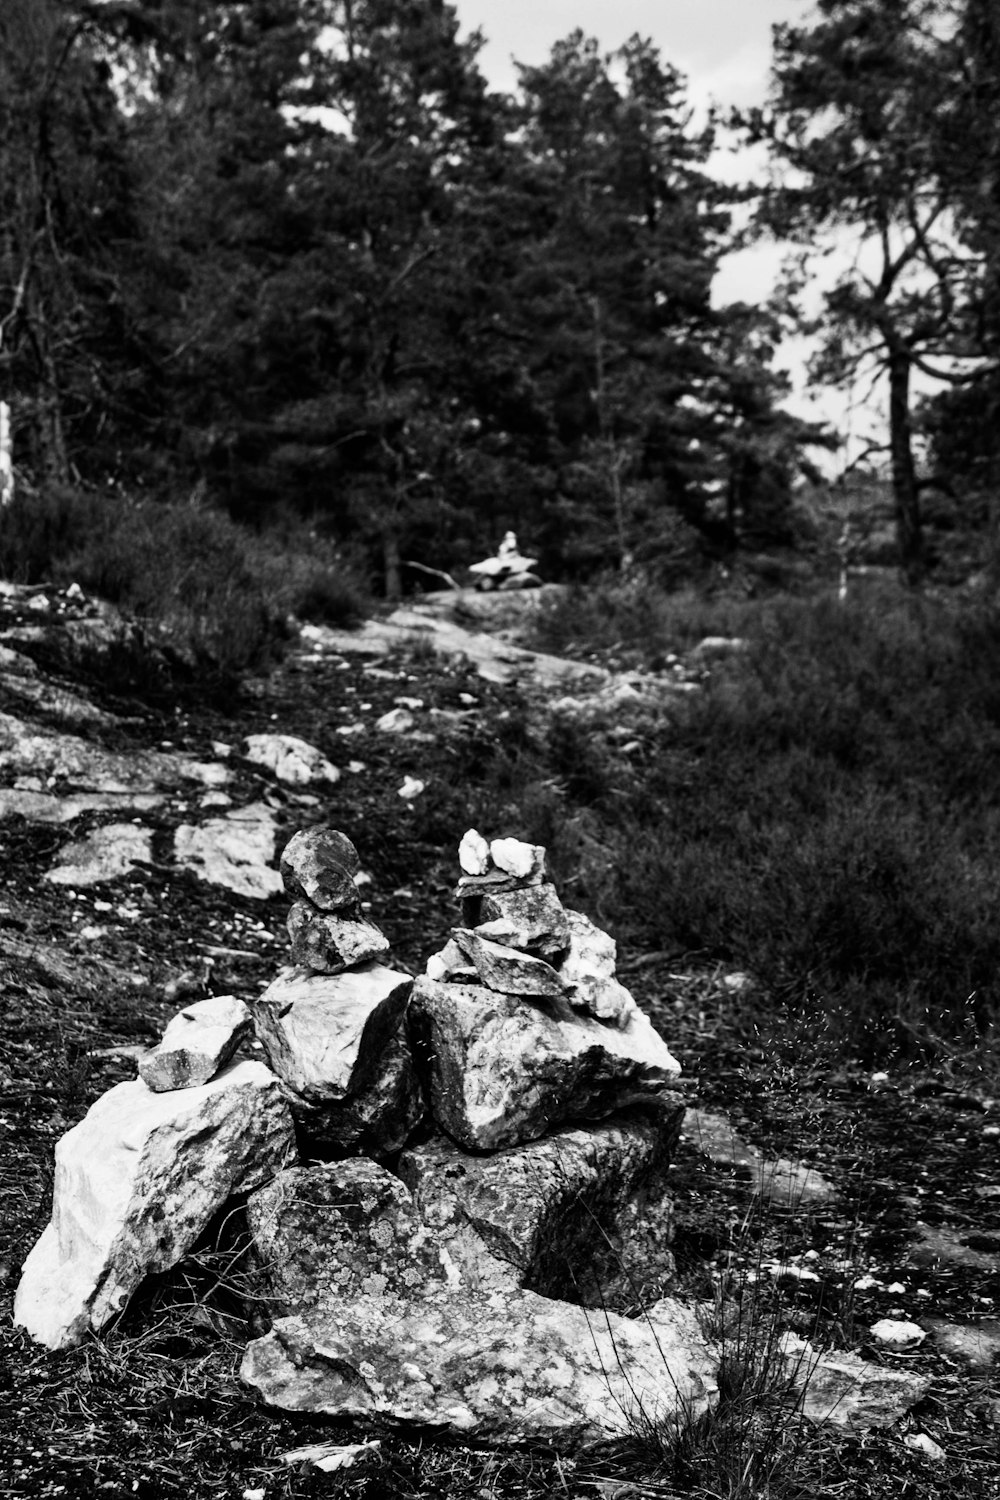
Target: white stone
x=292 y=760
x=517 y=858
x=896 y=1332
x=136 y=1182
x=396 y=721
x=920 y=1442
x=588 y=971
x=474 y=853
x=199 y=1041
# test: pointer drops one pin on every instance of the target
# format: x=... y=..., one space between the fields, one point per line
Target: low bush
x=823 y=812
x=217 y=596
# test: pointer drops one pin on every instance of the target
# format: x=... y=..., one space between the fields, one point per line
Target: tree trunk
x=906 y=495
x=390 y=561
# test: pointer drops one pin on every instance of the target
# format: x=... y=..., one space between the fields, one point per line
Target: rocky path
x=140 y=848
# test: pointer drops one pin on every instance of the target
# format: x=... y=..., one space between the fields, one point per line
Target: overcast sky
x=724 y=48
x=722 y=45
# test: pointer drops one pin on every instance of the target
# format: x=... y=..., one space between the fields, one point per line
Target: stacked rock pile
x=328 y=931
x=495 y=1133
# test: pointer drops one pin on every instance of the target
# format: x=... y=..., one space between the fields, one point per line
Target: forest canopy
x=298 y=257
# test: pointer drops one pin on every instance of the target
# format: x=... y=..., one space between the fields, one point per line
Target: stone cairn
x=447 y=1181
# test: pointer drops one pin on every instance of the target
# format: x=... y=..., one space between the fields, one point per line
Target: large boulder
x=506 y=1366
x=339 y=1042
x=502 y=1070
x=136 y=1183
x=570 y=1215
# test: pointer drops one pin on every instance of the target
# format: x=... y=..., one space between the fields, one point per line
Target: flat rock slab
x=502 y=1366
x=104 y=854
x=503 y=1070
x=136 y=1182
x=56 y=703
x=494 y=660
x=975 y=1344
x=28 y=749
x=785 y=1183
x=845 y=1390
x=236 y=851
x=938 y=1244
x=46 y=807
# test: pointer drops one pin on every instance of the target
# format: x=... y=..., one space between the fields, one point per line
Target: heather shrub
x=822 y=813
x=216 y=596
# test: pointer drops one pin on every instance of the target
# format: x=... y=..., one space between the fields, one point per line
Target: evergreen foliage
x=299 y=254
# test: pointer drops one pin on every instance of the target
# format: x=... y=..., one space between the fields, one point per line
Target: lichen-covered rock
x=198 y=1042
x=507 y=970
x=136 y=1182
x=327 y=942
x=505 y=1366
x=319 y=865
x=550 y=1215
x=339 y=1230
x=531 y=919
x=503 y=1070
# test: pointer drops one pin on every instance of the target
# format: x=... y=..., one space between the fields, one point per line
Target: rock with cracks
x=503 y=1365
x=503 y=1070
x=531 y=919
x=136 y=1182
x=327 y=942
x=339 y=1042
x=198 y=1042
x=319 y=865
x=507 y=970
